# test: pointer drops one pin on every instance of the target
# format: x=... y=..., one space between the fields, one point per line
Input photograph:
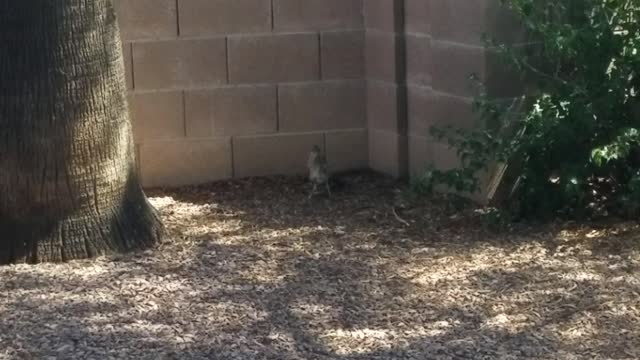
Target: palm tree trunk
x=68 y=182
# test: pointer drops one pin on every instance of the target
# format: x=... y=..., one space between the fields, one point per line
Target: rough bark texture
x=68 y=183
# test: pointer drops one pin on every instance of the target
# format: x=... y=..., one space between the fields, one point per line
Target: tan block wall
x=443 y=47
x=386 y=91
x=236 y=88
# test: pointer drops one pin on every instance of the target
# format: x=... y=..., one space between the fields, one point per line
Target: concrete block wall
x=386 y=91
x=419 y=56
x=236 y=88
x=444 y=47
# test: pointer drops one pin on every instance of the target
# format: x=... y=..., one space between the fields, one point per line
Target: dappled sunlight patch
x=583 y=275
x=298 y=236
x=512 y=323
x=196 y=219
x=361 y=341
x=625 y=280
x=162 y=202
x=577 y=329
x=439 y=268
x=80 y=268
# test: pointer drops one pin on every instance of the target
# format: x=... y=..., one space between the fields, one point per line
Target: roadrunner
x=318 y=171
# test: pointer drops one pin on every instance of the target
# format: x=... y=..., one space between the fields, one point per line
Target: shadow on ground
x=253 y=270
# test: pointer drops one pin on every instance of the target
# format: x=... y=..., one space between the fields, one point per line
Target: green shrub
x=574 y=135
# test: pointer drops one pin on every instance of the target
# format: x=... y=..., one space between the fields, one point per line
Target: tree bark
x=68 y=182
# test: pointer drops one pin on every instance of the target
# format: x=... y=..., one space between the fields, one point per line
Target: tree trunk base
x=133 y=224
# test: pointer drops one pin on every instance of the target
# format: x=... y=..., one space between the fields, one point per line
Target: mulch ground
x=254 y=270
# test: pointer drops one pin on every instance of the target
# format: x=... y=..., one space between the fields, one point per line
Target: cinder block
x=317 y=14
x=347 y=150
x=419 y=155
x=383 y=106
x=185 y=162
x=147 y=19
x=278 y=154
x=420 y=105
x=179 y=63
x=322 y=106
x=453 y=110
x=384 y=15
x=382 y=56
x=418 y=16
x=469 y=18
x=205 y=17
x=239 y=110
x=273 y=58
x=418 y=59
x=452 y=64
x=473 y=19
x=157 y=115
x=427 y=109
x=127 y=58
x=388 y=152
x=342 y=55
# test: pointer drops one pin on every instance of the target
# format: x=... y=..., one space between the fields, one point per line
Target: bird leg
x=328 y=188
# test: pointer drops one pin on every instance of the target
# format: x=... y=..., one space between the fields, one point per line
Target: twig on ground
x=393 y=210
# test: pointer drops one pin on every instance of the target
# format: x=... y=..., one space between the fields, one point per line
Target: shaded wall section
x=386 y=89
x=236 y=88
x=444 y=47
